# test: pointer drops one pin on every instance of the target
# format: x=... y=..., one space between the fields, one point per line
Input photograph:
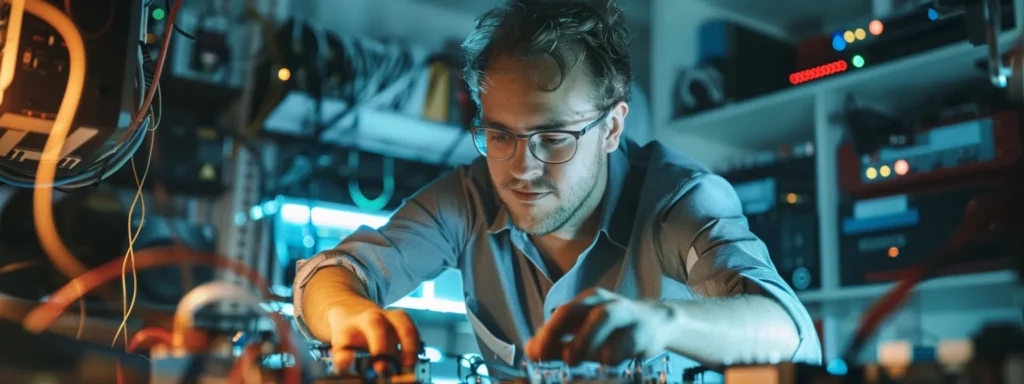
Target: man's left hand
x=604 y=327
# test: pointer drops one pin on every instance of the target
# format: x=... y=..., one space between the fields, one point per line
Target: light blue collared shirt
x=669 y=229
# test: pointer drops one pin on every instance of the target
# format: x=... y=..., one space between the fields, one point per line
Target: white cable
x=206 y=294
x=378 y=68
x=209 y=293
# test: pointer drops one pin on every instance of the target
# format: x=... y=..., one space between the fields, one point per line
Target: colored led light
x=159 y=14
x=849 y=36
x=902 y=167
x=857 y=61
x=876 y=27
x=791 y=198
x=818 y=72
x=838 y=43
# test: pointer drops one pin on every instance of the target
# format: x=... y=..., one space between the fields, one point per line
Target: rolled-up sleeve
x=718 y=256
x=424 y=237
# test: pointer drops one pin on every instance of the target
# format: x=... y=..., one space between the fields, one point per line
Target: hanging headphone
x=698 y=89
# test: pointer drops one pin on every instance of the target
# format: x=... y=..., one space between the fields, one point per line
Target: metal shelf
x=959 y=282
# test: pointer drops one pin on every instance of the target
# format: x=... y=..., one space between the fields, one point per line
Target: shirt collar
x=616 y=230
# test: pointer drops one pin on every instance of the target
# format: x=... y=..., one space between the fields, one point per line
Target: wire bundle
x=102 y=168
x=373 y=75
x=106 y=164
x=379 y=72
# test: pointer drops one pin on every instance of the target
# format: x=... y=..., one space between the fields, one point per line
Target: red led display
x=818 y=72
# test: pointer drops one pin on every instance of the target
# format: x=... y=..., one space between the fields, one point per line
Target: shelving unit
x=792 y=110
x=383 y=132
x=789 y=108
x=953 y=306
x=1005 y=279
x=424 y=28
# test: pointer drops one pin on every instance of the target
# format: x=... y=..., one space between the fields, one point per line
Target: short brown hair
x=592 y=32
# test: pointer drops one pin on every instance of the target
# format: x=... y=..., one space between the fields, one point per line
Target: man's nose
x=524 y=165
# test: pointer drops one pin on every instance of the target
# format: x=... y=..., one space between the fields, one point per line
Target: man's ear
x=618 y=123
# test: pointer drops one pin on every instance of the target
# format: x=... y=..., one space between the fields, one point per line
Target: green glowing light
x=858 y=61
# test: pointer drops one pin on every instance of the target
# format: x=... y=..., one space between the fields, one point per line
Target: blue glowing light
x=838 y=43
x=933 y=14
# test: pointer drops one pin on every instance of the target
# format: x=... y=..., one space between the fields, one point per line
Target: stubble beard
x=568 y=211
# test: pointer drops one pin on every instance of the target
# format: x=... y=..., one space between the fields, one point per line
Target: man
x=563 y=230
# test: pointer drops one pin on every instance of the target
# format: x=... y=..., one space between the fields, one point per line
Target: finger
x=594 y=332
x=546 y=344
x=345 y=342
x=408 y=336
x=380 y=338
x=621 y=346
x=565 y=321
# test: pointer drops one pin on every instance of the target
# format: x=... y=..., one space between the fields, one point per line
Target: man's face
x=540 y=197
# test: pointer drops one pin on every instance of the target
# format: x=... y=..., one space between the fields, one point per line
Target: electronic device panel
x=902 y=203
x=876 y=41
x=109 y=97
x=779 y=200
x=882 y=238
x=193 y=145
x=959 y=149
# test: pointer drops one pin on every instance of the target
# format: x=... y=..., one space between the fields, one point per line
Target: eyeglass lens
x=549 y=147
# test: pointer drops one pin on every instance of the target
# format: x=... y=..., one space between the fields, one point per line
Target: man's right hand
x=362 y=325
x=337 y=310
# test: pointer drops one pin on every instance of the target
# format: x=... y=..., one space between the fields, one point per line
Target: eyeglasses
x=549 y=146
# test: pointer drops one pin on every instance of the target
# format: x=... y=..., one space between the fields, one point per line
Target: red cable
x=165 y=45
x=43 y=315
x=981 y=213
x=146 y=334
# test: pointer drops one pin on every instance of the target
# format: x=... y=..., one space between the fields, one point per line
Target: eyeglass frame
x=577 y=134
